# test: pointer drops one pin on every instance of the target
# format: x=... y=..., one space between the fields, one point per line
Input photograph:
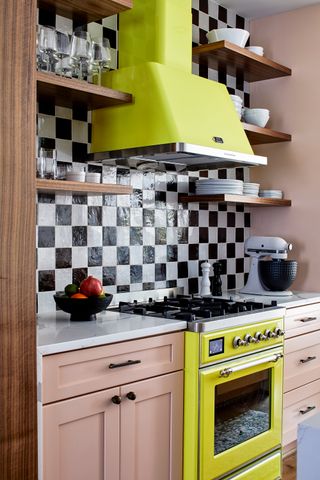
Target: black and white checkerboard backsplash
x=143 y=241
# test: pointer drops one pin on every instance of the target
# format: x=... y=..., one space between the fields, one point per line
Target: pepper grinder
x=205 y=280
x=216 y=282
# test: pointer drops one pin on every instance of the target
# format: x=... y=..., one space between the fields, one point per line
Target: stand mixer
x=269 y=277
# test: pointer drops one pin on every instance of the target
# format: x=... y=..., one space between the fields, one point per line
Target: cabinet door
x=81 y=438
x=151 y=429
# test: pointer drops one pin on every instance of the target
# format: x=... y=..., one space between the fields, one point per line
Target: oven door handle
x=272 y=358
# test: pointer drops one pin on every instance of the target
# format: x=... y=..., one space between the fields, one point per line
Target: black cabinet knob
x=116 y=399
x=131 y=396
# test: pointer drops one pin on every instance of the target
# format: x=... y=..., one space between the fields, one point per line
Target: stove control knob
x=279 y=332
x=259 y=337
x=270 y=334
x=237 y=342
x=250 y=339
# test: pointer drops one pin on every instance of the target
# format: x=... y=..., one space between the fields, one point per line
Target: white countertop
x=298 y=299
x=57 y=334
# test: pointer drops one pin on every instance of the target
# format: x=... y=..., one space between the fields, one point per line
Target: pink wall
x=293 y=39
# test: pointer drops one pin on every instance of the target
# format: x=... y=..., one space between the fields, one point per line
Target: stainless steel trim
x=238 y=368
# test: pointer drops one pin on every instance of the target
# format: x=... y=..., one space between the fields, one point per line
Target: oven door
x=240 y=412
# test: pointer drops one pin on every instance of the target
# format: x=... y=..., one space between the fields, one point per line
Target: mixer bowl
x=277 y=275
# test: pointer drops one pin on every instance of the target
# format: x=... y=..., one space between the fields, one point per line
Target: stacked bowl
x=237 y=101
x=251 y=189
x=219 y=186
x=271 y=194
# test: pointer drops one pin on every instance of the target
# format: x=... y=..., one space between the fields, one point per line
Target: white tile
x=64 y=24
x=136 y=179
x=160 y=180
x=183 y=253
x=172 y=270
x=46 y=214
x=46 y=126
x=63 y=236
x=193 y=235
x=79 y=131
x=222 y=219
x=109 y=174
x=231 y=266
x=195 y=66
x=159 y=285
x=79 y=215
x=222 y=251
x=183 y=283
x=204 y=21
x=230 y=235
x=63 y=278
x=193 y=268
x=94 y=236
x=213 y=235
x=46 y=259
x=109 y=216
x=213 y=9
x=110 y=22
x=109 y=256
x=136 y=287
x=148 y=198
x=64 y=150
x=148 y=236
x=96 y=31
x=112 y=289
x=136 y=219
x=136 y=255
x=195 y=34
x=203 y=251
x=123 y=236
x=79 y=257
x=148 y=273
x=123 y=200
x=63 y=112
x=160 y=253
x=64 y=199
x=46 y=302
x=213 y=74
x=232 y=17
x=172 y=200
x=203 y=218
x=95 y=272
x=123 y=274
x=239 y=250
x=160 y=217
x=94 y=200
x=172 y=236
x=195 y=4
x=183 y=184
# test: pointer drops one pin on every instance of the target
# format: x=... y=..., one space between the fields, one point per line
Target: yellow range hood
x=177 y=120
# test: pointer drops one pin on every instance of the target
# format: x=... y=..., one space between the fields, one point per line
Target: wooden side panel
x=17 y=241
x=81 y=438
x=151 y=429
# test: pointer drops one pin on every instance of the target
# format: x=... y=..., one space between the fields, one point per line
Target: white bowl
x=233 y=35
x=76 y=176
x=236 y=99
x=256 y=50
x=93 y=177
x=256 y=116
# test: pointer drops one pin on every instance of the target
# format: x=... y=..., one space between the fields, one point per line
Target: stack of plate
x=271 y=194
x=218 y=187
x=251 y=189
x=237 y=101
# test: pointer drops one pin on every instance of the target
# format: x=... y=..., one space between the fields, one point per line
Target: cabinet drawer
x=301 y=360
x=302 y=320
x=82 y=371
x=302 y=399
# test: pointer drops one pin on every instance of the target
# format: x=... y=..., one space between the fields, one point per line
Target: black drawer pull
x=308 y=359
x=124 y=364
x=308 y=319
x=131 y=396
x=116 y=400
x=307 y=410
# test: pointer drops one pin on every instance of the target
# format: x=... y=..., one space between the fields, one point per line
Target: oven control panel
x=240 y=340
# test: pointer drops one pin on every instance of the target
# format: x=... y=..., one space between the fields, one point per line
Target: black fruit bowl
x=83 y=309
x=277 y=275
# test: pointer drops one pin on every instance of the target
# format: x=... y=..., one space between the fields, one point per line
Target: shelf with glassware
x=260 y=136
x=226 y=56
x=236 y=199
x=86 y=12
x=49 y=186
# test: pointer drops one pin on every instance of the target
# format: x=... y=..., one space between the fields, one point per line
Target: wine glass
x=47 y=44
x=81 y=51
x=101 y=57
x=63 y=45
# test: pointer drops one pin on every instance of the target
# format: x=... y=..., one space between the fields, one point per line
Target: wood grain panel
x=289 y=471
x=240 y=199
x=68 y=92
x=87 y=11
x=260 y=136
x=44 y=185
x=228 y=57
x=18 y=441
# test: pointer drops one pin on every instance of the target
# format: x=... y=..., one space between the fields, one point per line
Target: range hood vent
x=177 y=121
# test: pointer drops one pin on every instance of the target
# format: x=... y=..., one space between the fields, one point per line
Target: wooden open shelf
x=86 y=11
x=239 y=199
x=228 y=57
x=67 y=92
x=259 y=136
x=44 y=185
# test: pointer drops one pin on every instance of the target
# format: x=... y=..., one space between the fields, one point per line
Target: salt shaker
x=205 y=280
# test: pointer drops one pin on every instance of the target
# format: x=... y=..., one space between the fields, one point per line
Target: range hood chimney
x=177 y=120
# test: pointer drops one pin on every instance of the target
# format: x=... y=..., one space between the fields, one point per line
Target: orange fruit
x=78 y=295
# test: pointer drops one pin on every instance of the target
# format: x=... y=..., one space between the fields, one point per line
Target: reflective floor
x=289 y=468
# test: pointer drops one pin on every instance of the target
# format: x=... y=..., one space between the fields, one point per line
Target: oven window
x=242 y=410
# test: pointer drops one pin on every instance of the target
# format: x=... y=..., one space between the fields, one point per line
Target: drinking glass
x=101 y=57
x=47 y=163
x=48 y=46
x=81 y=52
x=63 y=45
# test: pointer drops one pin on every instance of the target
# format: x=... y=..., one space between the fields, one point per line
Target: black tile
x=222 y=235
x=231 y=282
x=172 y=183
x=63 y=128
x=46 y=198
x=231 y=250
x=171 y=283
x=148 y=217
x=109 y=276
x=48 y=143
x=47 y=107
x=110 y=200
x=213 y=23
x=246 y=100
x=223 y=263
x=95 y=256
x=202 y=39
x=46 y=237
x=246 y=277
x=63 y=257
x=123 y=255
x=80 y=112
x=222 y=77
x=172 y=218
x=79 y=152
x=222 y=14
x=161 y=199
x=231 y=91
x=109 y=235
x=203 y=6
x=79 y=236
x=79 y=199
x=203 y=206
x=203 y=69
x=63 y=214
x=231 y=219
x=213 y=251
x=193 y=251
x=239 y=174
x=222 y=173
x=203 y=234
x=195 y=17
x=183 y=233
x=95 y=216
x=148 y=286
x=239 y=81
x=160 y=272
x=194 y=218
x=46 y=280
x=172 y=253
x=135 y=273
x=123 y=288
x=239 y=235
x=136 y=198
x=148 y=254
x=95 y=169
x=192 y=185
x=161 y=235
x=111 y=35
x=203 y=173
x=239 y=208
x=79 y=274
x=213 y=219
x=123 y=216
x=239 y=265
x=240 y=22
x=222 y=207
x=136 y=236
x=123 y=176
x=47 y=17
x=193 y=285
x=182 y=269
x=247 y=222
x=89 y=133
